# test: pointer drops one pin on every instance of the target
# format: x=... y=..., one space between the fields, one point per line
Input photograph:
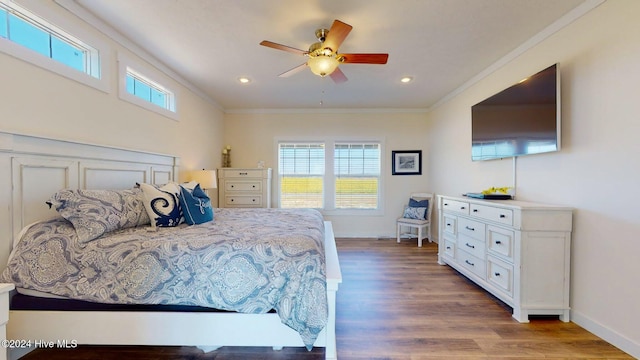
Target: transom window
x=331 y=175
x=24 y=28
x=144 y=85
x=149 y=91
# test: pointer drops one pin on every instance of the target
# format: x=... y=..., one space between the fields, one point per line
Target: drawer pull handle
x=448 y=247
x=470 y=228
x=462 y=207
x=496 y=274
x=498 y=242
x=469 y=245
x=244 y=173
x=502 y=216
x=475 y=210
x=446 y=204
x=448 y=224
x=470 y=263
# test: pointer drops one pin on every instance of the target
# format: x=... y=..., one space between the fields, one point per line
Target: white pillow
x=162 y=204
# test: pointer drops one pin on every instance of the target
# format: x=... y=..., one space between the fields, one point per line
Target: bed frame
x=39 y=168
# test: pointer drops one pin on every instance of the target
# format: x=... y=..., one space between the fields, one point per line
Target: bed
x=40 y=167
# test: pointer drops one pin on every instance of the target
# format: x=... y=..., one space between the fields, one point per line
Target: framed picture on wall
x=406 y=162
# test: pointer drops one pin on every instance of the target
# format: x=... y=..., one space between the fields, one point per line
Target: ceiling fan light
x=323 y=65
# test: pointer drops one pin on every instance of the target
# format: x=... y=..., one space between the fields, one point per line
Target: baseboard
x=620 y=341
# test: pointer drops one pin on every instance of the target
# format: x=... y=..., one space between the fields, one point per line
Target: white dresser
x=244 y=188
x=518 y=251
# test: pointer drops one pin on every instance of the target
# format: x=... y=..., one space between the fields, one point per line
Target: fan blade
x=337 y=34
x=365 y=58
x=293 y=71
x=338 y=76
x=277 y=46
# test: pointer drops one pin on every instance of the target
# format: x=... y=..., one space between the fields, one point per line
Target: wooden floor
x=397 y=303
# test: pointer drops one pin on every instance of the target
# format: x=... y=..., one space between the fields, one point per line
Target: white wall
x=596 y=172
x=252 y=138
x=38 y=102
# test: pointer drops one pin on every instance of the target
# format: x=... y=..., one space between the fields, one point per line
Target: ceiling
x=441 y=44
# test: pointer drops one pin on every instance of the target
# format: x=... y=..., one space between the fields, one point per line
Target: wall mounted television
x=521 y=120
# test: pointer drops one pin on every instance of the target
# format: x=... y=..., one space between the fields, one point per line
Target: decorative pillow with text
x=196 y=205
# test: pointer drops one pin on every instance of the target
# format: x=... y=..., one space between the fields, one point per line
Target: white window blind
x=357 y=175
x=301 y=170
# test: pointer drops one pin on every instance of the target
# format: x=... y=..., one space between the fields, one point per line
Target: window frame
x=45 y=19
x=150 y=75
x=329 y=175
x=322 y=175
x=379 y=175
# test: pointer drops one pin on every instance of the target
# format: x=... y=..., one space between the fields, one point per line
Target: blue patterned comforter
x=246 y=260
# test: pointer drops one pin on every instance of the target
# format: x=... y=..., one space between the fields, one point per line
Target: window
x=148 y=91
x=330 y=175
x=301 y=170
x=357 y=175
x=143 y=85
x=31 y=38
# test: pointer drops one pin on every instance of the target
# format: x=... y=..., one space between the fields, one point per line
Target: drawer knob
x=448 y=247
x=446 y=204
x=254 y=186
x=470 y=263
x=502 y=216
x=469 y=245
x=496 y=274
x=232 y=185
x=462 y=207
x=448 y=224
x=498 y=242
x=470 y=228
x=475 y=210
x=254 y=200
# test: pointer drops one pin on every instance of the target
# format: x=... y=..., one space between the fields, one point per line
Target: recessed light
x=244 y=80
x=406 y=79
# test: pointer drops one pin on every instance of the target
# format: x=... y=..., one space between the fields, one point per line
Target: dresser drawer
x=459 y=207
x=502 y=216
x=241 y=173
x=473 y=246
x=500 y=242
x=237 y=185
x=243 y=201
x=471 y=263
x=474 y=229
x=500 y=275
x=449 y=224
x=449 y=248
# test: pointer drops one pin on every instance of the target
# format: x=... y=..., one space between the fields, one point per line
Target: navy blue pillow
x=418 y=203
x=196 y=205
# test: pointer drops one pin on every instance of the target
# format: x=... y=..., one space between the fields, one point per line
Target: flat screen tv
x=521 y=120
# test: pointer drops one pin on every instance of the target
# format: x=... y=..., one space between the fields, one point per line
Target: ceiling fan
x=323 y=55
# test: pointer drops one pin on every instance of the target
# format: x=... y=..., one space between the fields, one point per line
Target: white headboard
x=34 y=168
